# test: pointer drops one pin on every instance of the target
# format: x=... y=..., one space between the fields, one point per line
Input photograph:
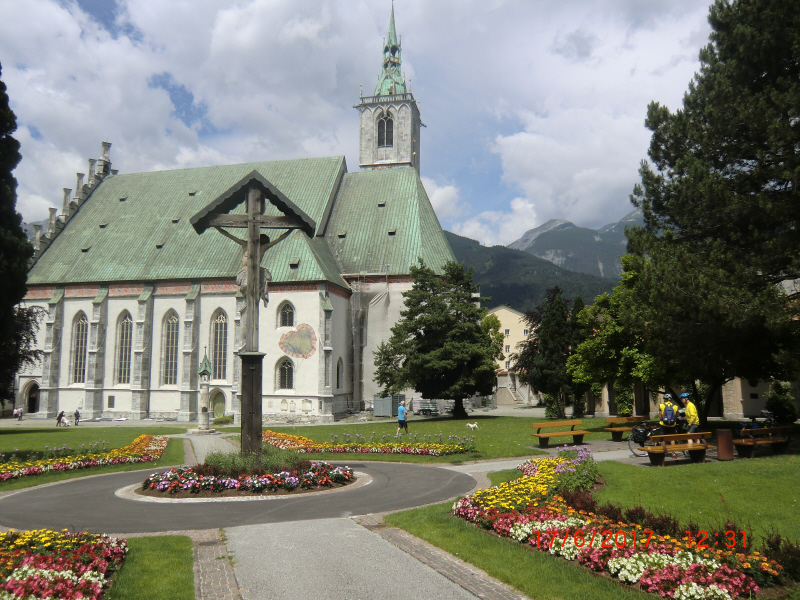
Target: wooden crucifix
x=252 y=279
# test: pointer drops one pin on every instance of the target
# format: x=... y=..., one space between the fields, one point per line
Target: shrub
x=623 y=396
x=580 y=500
x=610 y=511
x=551 y=407
x=785 y=552
x=637 y=515
x=226 y=420
x=664 y=524
x=271 y=460
x=781 y=403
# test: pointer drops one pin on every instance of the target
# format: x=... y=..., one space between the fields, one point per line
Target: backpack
x=669 y=414
x=639 y=434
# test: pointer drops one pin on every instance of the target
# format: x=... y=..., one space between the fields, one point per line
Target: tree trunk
x=710 y=394
x=459 y=412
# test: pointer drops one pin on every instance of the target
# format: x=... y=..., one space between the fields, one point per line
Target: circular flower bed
x=186 y=483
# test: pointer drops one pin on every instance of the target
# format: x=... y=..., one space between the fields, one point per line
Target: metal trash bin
x=724 y=444
x=386 y=407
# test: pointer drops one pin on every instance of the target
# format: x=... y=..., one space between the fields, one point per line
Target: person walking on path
x=402 y=420
x=77 y=416
x=60 y=419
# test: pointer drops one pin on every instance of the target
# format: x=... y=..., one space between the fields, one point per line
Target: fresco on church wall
x=300 y=342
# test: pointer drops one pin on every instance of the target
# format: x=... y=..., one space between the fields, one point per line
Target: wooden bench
x=777 y=437
x=678 y=442
x=616 y=432
x=544 y=438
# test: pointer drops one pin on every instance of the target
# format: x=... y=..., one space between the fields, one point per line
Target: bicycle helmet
x=667 y=396
x=685 y=395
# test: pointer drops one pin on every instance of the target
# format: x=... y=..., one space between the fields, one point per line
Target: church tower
x=389 y=119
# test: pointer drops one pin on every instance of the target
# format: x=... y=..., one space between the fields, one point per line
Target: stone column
x=236 y=402
x=95 y=379
x=606 y=401
x=142 y=353
x=51 y=361
x=188 y=385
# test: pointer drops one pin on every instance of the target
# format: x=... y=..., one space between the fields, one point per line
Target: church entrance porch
x=32 y=399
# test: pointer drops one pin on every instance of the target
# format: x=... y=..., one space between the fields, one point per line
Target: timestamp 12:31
x=729 y=538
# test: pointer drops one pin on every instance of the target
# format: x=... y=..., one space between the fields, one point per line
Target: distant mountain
x=519 y=279
x=591 y=251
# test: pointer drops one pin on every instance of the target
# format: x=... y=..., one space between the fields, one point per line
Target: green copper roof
x=391 y=39
x=135 y=227
x=205 y=366
x=391 y=80
x=383 y=219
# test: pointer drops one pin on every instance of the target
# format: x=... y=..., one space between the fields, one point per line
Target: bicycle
x=641 y=434
x=768 y=421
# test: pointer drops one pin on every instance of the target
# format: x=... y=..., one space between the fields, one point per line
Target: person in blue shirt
x=402 y=422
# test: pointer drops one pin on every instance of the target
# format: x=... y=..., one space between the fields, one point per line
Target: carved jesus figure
x=265 y=276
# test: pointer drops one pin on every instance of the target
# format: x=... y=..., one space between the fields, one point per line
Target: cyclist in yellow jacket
x=692 y=418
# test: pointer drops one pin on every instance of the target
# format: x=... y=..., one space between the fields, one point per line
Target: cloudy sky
x=534 y=108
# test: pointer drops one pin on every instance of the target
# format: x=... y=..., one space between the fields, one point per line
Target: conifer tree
x=438 y=347
x=542 y=359
x=709 y=272
x=15 y=251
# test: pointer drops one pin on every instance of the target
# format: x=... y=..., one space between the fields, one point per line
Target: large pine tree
x=439 y=347
x=15 y=251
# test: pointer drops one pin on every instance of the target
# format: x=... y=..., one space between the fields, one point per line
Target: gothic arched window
x=169 y=345
x=285 y=375
x=124 y=343
x=219 y=348
x=385 y=132
x=286 y=315
x=80 y=332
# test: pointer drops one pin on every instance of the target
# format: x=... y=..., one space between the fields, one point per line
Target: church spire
x=391 y=80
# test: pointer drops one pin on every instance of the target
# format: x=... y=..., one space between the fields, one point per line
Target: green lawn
x=156 y=567
x=497 y=437
x=760 y=493
x=34 y=439
x=23 y=441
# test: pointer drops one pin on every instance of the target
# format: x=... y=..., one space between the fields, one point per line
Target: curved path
x=90 y=503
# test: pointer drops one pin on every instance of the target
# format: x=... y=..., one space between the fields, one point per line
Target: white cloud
x=534 y=109
x=494 y=227
x=575 y=164
x=444 y=199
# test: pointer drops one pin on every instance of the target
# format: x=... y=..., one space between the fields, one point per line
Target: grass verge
x=760 y=493
x=173 y=455
x=536 y=574
x=156 y=567
x=496 y=437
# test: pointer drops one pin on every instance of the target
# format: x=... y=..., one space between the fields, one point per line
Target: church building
x=135 y=299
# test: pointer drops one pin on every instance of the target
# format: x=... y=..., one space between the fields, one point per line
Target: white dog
x=473 y=426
